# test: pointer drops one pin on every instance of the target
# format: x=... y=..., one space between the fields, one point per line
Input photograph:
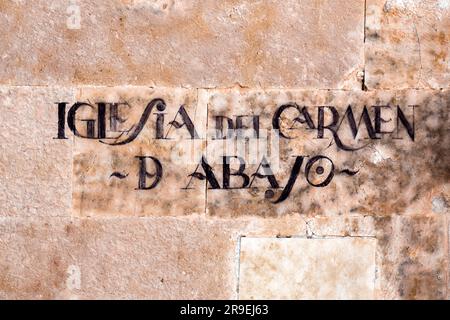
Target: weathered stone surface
x=149 y=257
x=407 y=44
x=293 y=268
x=411 y=251
x=411 y=254
x=157 y=258
x=183 y=43
x=396 y=173
x=73 y=225
x=194 y=257
x=35 y=169
x=107 y=179
x=412 y=257
x=348 y=225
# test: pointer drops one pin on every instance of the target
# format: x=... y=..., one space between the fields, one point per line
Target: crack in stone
x=420 y=53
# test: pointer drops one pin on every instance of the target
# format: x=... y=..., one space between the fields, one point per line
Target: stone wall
x=128 y=199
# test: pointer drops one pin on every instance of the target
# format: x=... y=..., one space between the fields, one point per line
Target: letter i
x=61 y=120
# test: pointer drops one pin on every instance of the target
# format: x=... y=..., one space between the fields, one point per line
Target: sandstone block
x=411 y=257
x=183 y=43
x=411 y=251
x=407 y=44
x=35 y=168
x=307 y=268
x=145 y=258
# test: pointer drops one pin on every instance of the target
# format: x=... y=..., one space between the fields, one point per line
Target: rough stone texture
x=407 y=44
x=91 y=259
x=412 y=257
x=97 y=192
x=111 y=258
x=414 y=171
x=35 y=169
x=307 y=268
x=193 y=257
x=111 y=241
x=312 y=44
x=152 y=257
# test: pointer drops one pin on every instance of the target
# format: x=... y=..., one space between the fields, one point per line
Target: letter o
x=310 y=163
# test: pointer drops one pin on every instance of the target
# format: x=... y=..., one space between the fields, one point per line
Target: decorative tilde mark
x=349 y=172
x=119 y=175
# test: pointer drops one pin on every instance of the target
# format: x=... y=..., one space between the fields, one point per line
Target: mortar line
x=365 y=22
x=447 y=248
x=299 y=88
x=363 y=85
x=238 y=264
x=206 y=149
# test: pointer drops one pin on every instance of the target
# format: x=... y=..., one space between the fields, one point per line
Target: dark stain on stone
x=384 y=227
